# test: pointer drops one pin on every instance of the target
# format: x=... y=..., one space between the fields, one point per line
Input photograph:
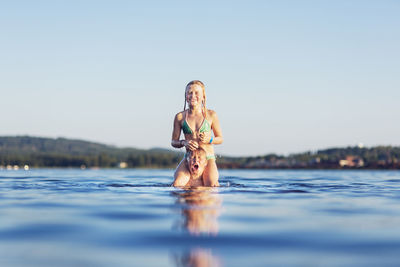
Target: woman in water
x=197 y=122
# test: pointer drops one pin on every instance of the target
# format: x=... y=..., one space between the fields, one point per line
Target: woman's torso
x=194 y=125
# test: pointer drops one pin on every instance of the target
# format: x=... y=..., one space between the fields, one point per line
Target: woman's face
x=194 y=95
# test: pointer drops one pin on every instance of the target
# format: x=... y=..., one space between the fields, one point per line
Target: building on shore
x=351 y=161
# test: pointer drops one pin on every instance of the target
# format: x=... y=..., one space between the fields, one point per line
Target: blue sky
x=283 y=76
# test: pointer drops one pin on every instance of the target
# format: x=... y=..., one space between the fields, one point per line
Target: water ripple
x=343 y=214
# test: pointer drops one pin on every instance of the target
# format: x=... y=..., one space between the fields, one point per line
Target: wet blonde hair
x=199 y=151
x=197 y=82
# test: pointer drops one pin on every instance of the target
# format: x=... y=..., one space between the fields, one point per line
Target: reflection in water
x=200 y=209
x=198 y=257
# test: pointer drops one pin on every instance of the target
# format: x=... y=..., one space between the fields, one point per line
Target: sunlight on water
x=56 y=217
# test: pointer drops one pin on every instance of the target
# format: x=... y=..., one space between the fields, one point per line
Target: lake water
x=57 y=217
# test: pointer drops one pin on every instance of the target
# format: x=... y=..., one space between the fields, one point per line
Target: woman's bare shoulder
x=211 y=113
x=180 y=115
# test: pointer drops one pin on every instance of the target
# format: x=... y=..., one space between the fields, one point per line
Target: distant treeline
x=379 y=157
x=143 y=160
x=61 y=152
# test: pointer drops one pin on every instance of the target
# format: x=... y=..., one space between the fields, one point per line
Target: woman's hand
x=191 y=145
x=205 y=137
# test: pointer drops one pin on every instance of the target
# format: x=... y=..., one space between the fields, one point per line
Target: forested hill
x=23 y=145
x=356 y=157
x=62 y=152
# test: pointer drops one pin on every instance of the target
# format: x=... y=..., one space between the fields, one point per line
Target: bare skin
x=195 y=162
x=195 y=117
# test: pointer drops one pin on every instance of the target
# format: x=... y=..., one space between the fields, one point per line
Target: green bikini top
x=205 y=127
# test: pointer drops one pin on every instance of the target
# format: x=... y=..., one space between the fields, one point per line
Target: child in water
x=196 y=162
x=197 y=122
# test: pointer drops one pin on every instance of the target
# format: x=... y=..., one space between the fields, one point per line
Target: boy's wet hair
x=199 y=150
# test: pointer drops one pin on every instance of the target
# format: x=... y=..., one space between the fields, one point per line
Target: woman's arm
x=176 y=132
x=218 y=139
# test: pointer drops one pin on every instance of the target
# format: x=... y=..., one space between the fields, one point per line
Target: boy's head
x=196 y=161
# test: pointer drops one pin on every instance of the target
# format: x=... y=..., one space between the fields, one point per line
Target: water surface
x=67 y=217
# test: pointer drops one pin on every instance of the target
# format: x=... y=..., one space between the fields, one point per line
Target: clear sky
x=283 y=76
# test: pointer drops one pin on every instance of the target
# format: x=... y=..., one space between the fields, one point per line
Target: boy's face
x=196 y=163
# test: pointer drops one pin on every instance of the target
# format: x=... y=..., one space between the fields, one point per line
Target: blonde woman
x=198 y=125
